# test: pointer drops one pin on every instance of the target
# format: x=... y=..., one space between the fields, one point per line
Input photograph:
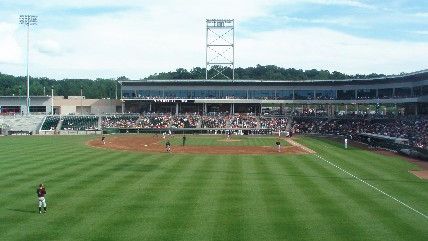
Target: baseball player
x=346 y=143
x=278 y=145
x=184 y=140
x=168 y=146
x=41 y=192
x=103 y=139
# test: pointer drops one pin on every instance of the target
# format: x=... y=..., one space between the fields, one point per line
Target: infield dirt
x=155 y=145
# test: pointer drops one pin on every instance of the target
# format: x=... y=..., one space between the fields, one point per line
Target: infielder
x=41 y=192
x=278 y=145
x=346 y=143
x=168 y=146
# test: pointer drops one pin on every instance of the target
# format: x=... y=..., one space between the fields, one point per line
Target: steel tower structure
x=220 y=48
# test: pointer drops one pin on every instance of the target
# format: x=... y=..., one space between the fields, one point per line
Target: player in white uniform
x=346 y=143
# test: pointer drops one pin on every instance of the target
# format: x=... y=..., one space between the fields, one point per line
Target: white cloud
x=419 y=32
x=350 y=3
x=327 y=49
x=49 y=47
x=10 y=51
x=165 y=35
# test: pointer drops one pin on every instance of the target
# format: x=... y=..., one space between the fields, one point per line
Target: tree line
x=106 y=88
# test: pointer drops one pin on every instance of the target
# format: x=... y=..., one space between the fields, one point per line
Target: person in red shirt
x=41 y=192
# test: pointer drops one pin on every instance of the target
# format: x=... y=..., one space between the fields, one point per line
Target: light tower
x=28 y=20
x=220 y=48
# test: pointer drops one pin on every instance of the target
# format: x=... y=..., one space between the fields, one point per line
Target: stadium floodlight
x=81 y=100
x=52 y=100
x=220 y=47
x=28 y=20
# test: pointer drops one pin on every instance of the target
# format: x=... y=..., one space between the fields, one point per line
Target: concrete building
x=82 y=106
x=74 y=105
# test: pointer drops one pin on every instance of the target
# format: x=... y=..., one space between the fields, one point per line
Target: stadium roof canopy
x=410 y=77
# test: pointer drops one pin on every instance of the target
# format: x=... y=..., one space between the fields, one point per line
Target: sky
x=136 y=38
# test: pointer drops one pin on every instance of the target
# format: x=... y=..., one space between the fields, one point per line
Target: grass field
x=96 y=194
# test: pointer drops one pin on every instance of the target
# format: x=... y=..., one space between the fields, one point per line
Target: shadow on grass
x=22 y=210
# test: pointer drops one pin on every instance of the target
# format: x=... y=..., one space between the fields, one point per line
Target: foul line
x=375 y=188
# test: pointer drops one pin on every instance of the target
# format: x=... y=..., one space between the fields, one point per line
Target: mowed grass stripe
x=411 y=190
x=114 y=200
x=400 y=183
x=179 y=215
x=42 y=168
x=26 y=188
x=64 y=198
x=369 y=165
x=375 y=205
x=110 y=195
x=96 y=205
x=22 y=186
x=202 y=225
x=256 y=208
x=280 y=204
x=144 y=203
x=229 y=217
x=44 y=152
x=312 y=204
x=331 y=217
x=24 y=158
x=97 y=200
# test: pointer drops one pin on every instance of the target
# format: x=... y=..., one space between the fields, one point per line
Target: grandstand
x=50 y=123
x=392 y=106
x=79 y=123
x=17 y=124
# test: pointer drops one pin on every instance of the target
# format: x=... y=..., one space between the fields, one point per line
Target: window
x=346 y=94
x=385 y=93
x=284 y=94
x=234 y=94
x=325 y=94
x=425 y=90
x=403 y=92
x=304 y=94
x=10 y=109
x=262 y=94
x=37 y=108
x=366 y=94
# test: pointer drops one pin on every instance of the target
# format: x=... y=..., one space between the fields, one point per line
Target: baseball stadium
x=220 y=159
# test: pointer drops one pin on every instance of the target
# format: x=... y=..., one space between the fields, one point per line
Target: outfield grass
x=96 y=194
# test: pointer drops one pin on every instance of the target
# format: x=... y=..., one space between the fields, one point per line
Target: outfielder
x=41 y=192
x=346 y=143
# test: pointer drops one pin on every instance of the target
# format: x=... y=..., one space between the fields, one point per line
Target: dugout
x=400 y=145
